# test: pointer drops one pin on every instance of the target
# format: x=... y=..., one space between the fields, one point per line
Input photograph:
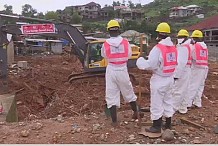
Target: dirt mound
x=44 y=91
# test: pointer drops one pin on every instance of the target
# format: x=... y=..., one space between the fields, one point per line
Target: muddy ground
x=51 y=110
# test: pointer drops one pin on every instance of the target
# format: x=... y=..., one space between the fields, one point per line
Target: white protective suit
x=197 y=81
x=160 y=85
x=117 y=78
x=182 y=72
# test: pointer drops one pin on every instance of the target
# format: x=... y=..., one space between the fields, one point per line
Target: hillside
x=159 y=11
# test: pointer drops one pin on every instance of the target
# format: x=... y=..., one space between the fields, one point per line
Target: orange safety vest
x=117 y=55
x=189 y=54
x=170 y=55
x=201 y=55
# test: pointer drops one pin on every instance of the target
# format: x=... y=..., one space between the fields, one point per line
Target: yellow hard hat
x=163 y=28
x=197 y=34
x=113 y=23
x=182 y=33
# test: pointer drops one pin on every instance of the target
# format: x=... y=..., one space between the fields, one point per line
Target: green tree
x=138 y=5
x=8 y=9
x=76 y=18
x=116 y=3
x=40 y=15
x=51 y=15
x=131 y=4
x=111 y=14
x=124 y=3
x=28 y=10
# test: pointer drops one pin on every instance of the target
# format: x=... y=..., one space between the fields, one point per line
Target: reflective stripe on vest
x=117 y=55
x=189 y=54
x=201 y=55
x=169 y=54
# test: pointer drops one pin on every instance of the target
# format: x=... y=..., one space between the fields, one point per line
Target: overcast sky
x=53 y=5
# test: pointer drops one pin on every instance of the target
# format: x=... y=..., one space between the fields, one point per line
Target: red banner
x=38 y=28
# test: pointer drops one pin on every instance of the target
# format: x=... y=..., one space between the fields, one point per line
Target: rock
x=59 y=118
x=24 y=133
x=2 y=123
x=85 y=106
x=131 y=137
x=4 y=137
x=78 y=130
x=186 y=131
x=85 y=129
x=178 y=122
x=113 y=130
x=216 y=129
x=216 y=118
x=125 y=122
x=168 y=135
x=21 y=124
x=37 y=126
x=103 y=137
x=126 y=116
x=183 y=140
x=192 y=129
x=202 y=120
x=175 y=132
x=196 y=141
x=87 y=119
x=157 y=141
x=19 y=102
x=177 y=142
x=64 y=114
x=65 y=63
x=96 y=127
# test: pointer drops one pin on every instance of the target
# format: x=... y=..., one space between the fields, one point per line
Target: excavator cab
x=95 y=62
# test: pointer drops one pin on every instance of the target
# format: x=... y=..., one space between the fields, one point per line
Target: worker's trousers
x=161 y=96
x=180 y=88
x=196 y=86
x=118 y=80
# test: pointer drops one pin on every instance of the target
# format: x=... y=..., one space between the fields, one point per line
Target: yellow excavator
x=88 y=51
x=95 y=60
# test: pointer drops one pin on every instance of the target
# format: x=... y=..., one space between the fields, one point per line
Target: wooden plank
x=186 y=121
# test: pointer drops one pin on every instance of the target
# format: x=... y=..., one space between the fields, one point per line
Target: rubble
x=48 y=95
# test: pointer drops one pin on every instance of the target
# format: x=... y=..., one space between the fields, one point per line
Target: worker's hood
x=180 y=41
x=114 y=41
x=203 y=44
x=167 y=42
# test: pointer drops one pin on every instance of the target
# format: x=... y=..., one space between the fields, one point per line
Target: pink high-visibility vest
x=189 y=54
x=117 y=55
x=201 y=55
x=170 y=55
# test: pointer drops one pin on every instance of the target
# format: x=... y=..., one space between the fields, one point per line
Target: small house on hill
x=209 y=27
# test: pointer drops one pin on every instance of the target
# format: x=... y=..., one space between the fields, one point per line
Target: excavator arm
x=62 y=30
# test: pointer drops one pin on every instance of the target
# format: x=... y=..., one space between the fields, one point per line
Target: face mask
x=179 y=41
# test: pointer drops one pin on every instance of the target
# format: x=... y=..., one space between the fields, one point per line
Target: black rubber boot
x=156 y=127
x=168 y=123
x=113 y=113
x=136 y=109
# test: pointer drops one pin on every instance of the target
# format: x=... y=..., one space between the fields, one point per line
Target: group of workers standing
x=177 y=82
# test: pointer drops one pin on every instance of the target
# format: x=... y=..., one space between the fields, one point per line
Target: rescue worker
x=182 y=72
x=117 y=51
x=162 y=60
x=199 y=69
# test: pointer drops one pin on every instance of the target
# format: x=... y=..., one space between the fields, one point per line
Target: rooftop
x=208 y=23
